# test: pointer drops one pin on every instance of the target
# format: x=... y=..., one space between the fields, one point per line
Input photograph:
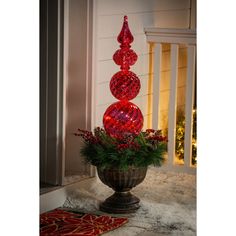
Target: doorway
x=65 y=89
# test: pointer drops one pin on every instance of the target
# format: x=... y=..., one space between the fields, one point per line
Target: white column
x=189 y=105
x=156 y=86
x=172 y=103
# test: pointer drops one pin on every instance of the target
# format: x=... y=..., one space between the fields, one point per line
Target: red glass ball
x=125 y=85
x=125 y=57
x=122 y=118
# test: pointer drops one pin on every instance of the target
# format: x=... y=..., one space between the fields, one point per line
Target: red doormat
x=61 y=222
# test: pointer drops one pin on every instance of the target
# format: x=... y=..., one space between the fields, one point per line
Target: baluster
x=172 y=103
x=156 y=86
x=189 y=105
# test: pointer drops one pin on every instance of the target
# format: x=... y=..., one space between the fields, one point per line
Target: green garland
x=100 y=149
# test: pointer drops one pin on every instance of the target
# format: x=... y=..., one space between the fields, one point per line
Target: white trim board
x=163 y=35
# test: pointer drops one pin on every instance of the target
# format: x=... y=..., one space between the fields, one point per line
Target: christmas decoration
x=121 y=143
x=104 y=151
x=123 y=117
x=120 y=151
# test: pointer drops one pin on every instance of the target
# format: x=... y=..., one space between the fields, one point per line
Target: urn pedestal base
x=120 y=203
x=121 y=181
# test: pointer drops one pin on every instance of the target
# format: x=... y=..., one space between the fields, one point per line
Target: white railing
x=175 y=37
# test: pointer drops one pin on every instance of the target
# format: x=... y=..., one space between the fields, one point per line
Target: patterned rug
x=61 y=222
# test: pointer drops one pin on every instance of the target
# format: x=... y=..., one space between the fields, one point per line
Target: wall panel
x=111 y=7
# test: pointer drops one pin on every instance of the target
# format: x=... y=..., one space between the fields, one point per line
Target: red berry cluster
x=131 y=145
x=158 y=138
x=87 y=136
x=150 y=131
x=129 y=141
x=155 y=135
x=122 y=146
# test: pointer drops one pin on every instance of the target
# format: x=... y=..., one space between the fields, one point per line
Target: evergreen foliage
x=100 y=149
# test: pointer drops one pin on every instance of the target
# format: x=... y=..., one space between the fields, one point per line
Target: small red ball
x=125 y=85
x=122 y=118
x=125 y=57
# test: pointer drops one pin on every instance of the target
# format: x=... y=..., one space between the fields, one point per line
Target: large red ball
x=125 y=85
x=122 y=118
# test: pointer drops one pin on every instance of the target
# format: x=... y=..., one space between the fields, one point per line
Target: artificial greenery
x=100 y=149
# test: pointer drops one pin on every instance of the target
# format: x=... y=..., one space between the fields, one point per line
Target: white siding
x=107 y=25
x=113 y=7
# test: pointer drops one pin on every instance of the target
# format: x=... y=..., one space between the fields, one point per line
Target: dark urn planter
x=121 y=181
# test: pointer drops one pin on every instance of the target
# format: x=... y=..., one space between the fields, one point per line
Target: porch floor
x=168 y=204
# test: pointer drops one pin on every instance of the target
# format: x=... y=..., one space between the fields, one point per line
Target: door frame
x=54 y=56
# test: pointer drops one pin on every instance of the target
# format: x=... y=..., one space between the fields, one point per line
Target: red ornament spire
x=125 y=37
x=125 y=56
x=124 y=117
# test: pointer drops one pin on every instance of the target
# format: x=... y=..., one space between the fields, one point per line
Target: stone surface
x=168 y=204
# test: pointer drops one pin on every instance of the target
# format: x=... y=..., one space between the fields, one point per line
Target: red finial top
x=125 y=37
x=125 y=56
